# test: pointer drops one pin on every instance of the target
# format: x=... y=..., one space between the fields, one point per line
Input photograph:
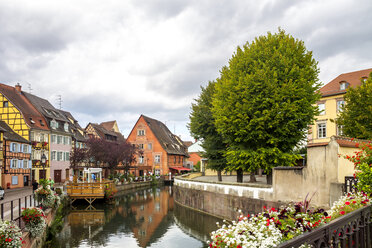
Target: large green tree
x=356 y=116
x=265 y=100
x=202 y=126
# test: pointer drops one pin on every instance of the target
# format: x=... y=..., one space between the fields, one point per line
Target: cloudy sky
x=117 y=59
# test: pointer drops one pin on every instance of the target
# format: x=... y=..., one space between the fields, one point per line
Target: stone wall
x=320 y=177
x=223 y=200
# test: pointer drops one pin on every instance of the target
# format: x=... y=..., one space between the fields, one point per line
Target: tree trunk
x=269 y=178
x=219 y=173
x=252 y=178
x=239 y=175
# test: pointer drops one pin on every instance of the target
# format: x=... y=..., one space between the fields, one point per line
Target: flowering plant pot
x=10 y=234
x=34 y=219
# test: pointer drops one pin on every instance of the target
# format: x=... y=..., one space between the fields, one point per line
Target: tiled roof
x=45 y=107
x=50 y=113
x=32 y=116
x=187 y=143
x=171 y=143
x=108 y=125
x=9 y=134
x=353 y=78
x=75 y=127
x=101 y=131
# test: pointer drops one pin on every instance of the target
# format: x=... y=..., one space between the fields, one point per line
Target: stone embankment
x=223 y=199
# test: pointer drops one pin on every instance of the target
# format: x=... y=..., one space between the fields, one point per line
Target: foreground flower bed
x=273 y=227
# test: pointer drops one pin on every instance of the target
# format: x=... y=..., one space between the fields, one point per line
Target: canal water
x=143 y=218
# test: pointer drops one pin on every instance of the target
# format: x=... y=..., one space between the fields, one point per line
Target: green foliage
x=356 y=116
x=363 y=165
x=265 y=100
x=197 y=167
x=202 y=126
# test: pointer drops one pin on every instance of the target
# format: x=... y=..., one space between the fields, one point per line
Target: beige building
x=331 y=104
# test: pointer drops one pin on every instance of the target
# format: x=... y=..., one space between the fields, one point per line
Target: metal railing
x=11 y=210
x=350 y=184
x=351 y=230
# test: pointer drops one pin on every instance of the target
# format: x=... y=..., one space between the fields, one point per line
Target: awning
x=180 y=168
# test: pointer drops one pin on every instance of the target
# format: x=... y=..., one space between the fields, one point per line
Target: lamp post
x=43 y=162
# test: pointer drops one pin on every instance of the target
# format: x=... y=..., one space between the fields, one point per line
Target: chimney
x=18 y=87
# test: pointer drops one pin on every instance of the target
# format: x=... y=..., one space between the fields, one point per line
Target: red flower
x=342 y=212
x=347 y=203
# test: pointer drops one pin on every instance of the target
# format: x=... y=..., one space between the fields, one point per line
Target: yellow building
x=23 y=118
x=331 y=104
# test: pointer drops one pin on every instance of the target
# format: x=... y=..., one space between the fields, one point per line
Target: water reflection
x=145 y=218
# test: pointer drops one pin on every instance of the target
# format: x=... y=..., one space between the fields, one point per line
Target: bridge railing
x=352 y=230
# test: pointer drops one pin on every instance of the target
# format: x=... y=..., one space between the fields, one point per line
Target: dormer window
x=53 y=124
x=65 y=126
x=32 y=121
x=344 y=85
x=41 y=122
x=364 y=80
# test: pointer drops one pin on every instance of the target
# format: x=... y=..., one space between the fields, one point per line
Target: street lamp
x=43 y=162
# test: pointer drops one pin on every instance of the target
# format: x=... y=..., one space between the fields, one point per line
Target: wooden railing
x=97 y=189
x=351 y=230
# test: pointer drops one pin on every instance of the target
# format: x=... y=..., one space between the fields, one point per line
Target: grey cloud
x=162 y=8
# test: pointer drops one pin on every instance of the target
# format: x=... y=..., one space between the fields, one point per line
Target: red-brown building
x=106 y=130
x=162 y=151
x=16 y=168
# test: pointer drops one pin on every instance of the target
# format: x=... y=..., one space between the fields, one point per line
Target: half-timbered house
x=16 y=168
x=25 y=120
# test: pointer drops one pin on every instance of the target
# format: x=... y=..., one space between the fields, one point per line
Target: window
x=179 y=159
x=13 y=163
x=141 y=159
x=41 y=123
x=54 y=155
x=140 y=146
x=59 y=156
x=42 y=137
x=157 y=172
x=20 y=164
x=65 y=126
x=322 y=130
x=5 y=104
x=65 y=140
x=175 y=159
x=141 y=132
x=25 y=164
x=157 y=158
x=53 y=124
x=344 y=85
x=340 y=105
x=54 y=138
x=25 y=148
x=340 y=130
x=14 y=180
x=68 y=140
x=32 y=136
x=321 y=107
x=157 y=206
x=59 y=139
x=67 y=156
x=149 y=146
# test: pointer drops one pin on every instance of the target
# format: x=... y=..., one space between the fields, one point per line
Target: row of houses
x=37 y=140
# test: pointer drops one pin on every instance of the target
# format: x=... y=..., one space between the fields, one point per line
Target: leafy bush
x=10 y=234
x=363 y=165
